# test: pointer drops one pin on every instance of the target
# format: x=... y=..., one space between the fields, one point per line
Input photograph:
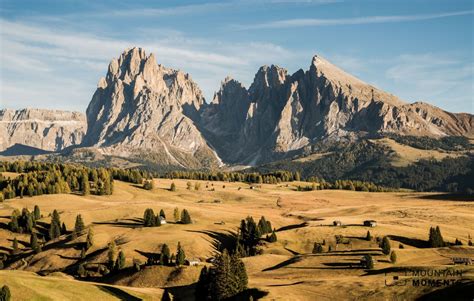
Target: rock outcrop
x=37 y=130
x=281 y=114
x=144 y=110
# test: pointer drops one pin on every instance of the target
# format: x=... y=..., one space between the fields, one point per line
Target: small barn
x=162 y=220
x=337 y=223
x=370 y=223
x=192 y=262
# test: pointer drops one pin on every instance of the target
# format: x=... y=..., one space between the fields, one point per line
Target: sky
x=53 y=52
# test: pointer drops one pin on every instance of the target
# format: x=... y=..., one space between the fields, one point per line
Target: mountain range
x=144 y=111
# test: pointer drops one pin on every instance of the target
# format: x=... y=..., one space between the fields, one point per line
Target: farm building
x=337 y=223
x=192 y=262
x=370 y=223
x=162 y=220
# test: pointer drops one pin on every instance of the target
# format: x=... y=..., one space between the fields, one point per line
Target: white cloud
x=290 y=23
x=60 y=67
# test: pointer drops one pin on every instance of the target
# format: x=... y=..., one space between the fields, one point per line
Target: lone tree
x=5 y=294
x=369 y=262
x=173 y=187
x=37 y=212
x=35 y=246
x=185 y=217
x=90 y=239
x=79 y=224
x=165 y=254
x=385 y=245
x=180 y=255
x=272 y=237
x=148 y=185
x=317 y=248
x=368 y=237
x=111 y=254
x=54 y=227
x=176 y=214
x=435 y=239
x=120 y=264
x=15 y=249
x=393 y=257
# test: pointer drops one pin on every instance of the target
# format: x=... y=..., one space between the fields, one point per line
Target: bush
x=317 y=248
x=148 y=185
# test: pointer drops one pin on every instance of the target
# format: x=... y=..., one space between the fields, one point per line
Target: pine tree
x=173 y=187
x=63 y=228
x=317 y=248
x=393 y=257
x=162 y=213
x=166 y=295
x=111 y=254
x=83 y=253
x=36 y=212
x=180 y=255
x=90 y=239
x=165 y=252
x=13 y=224
x=148 y=185
x=81 y=271
x=273 y=237
x=5 y=294
x=176 y=214
x=79 y=225
x=385 y=245
x=369 y=262
x=229 y=276
x=85 y=186
x=185 y=217
x=15 y=248
x=202 y=287
x=149 y=219
x=120 y=264
x=435 y=239
x=35 y=246
x=368 y=237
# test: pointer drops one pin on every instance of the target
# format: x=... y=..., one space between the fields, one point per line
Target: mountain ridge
x=145 y=111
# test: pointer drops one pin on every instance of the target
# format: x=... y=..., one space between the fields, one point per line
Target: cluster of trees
x=24 y=222
x=152 y=220
x=449 y=143
x=225 y=279
x=253 y=177
x=166 y=258
x=435 y=239
x=135 y=176
x=39 y=178
x=5 y=294
x=320 y=184
x=249 y=234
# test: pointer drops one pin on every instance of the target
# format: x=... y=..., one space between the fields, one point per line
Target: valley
x=285 y=270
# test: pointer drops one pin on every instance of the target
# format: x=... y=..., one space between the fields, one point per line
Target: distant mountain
x=280 y=115
x=145 y=112
x=36 y=131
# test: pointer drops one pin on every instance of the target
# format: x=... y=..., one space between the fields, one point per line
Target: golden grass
x=408 y=215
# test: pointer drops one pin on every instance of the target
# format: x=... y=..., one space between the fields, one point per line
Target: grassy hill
x=286 y=269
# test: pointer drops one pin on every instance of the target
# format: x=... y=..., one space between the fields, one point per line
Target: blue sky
x=52 y=53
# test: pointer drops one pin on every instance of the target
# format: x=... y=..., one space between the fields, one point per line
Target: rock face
x=281 y=114
x=40 y=130
x=144 y=110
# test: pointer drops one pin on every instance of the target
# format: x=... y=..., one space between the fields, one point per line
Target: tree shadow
x=125 y=223
x=448 y=197
x=461 y=290
x=285 y=263
x=116 y=292
x=414 y=242
x=291 y=227
x=220 y=240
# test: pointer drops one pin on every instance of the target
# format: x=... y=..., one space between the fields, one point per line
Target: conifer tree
x=35 y=246
x=393 y=257
x=176 y=214
x=63 y=228
x=149 y=219
x=83 y=253
x=111 y=254
x=385 y=245
x=180 y=255
x=229 y=276
x=185 y=217
x=5 y=294
x=202 y=287
x=273 y=237
x=173 y=187
x=162 y=213
x=37 y=212
x=13 y=224
x=79 y=225
x=369 y=262
x=90 y=239
x=15 y=248
x=368 y=237
x=85 y=186
x=165 y=252
x=317 y=248
x=166 y=295
x=120 y=264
